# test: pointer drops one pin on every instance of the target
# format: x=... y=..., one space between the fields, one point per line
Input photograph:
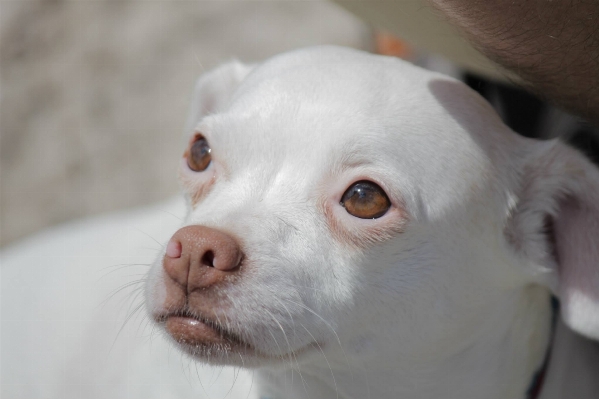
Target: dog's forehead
x=318 y=110
x=326 y=97
x=332 y=84
x=310 y=95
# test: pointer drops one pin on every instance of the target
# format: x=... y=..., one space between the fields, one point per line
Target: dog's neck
x=499 y=362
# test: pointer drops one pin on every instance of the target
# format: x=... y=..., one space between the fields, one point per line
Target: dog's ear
x=214 y=89
x=555 y=224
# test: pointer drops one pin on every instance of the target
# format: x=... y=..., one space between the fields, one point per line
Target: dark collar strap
x=534 y=389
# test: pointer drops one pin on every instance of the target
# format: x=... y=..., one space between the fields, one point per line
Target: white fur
x=452 y=304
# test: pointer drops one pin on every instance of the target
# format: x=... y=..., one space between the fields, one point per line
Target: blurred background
x=94 y=94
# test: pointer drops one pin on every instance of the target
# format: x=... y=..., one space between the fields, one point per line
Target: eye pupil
x=199 y=157
x=365 y=200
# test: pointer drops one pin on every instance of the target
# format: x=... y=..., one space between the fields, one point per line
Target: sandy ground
x=94 y=94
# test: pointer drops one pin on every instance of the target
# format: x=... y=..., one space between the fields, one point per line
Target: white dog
x=356 y=227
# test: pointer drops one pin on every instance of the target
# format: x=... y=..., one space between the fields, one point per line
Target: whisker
x=251 y=386
x=299 y=369
x=123 y=265
x=147 y=235
x=220 y=371
x=137 y=308
x=146 y=323
x=140 y=292
x=235 y=376
x=291 y=354
x=172 y=214
x=329 y=326
x=188 y=368
x=200 y=380
x=123 y=287
x=325 y=358
x=320 y=317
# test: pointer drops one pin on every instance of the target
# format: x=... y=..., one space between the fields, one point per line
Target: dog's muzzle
x=197 y=260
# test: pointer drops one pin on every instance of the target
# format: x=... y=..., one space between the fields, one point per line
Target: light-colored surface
x=94 y=94
x=417 y=22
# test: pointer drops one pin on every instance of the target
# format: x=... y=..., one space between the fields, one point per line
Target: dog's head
x=356 y=205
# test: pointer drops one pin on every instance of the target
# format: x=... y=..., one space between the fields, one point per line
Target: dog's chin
x=208 y=342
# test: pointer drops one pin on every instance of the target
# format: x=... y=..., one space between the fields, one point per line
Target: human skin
x=553 y=46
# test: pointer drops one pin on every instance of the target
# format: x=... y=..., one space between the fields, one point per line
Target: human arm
x=553 y=46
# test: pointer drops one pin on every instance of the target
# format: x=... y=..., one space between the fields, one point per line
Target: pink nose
x=198 y=257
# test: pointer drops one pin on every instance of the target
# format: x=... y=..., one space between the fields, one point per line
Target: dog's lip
x=194 y=331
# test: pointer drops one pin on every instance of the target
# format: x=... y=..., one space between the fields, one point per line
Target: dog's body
x=439 y=288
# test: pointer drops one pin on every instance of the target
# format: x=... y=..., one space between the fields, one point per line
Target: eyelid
x=342 y=185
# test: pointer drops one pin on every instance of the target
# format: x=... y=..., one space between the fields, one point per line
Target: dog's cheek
x=290 y=294
x=197 y=185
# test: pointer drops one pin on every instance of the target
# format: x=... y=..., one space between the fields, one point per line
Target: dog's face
x=348 y=204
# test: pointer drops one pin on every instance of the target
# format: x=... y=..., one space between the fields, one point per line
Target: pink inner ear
x=577 y=249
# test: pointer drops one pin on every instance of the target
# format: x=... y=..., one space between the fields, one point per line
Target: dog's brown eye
x=198 y=156
x=365 y=200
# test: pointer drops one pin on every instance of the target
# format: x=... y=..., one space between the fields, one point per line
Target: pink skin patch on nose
x=173 y=249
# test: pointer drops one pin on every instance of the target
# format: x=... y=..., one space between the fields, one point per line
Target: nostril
x=208 y=259
x=210 y=249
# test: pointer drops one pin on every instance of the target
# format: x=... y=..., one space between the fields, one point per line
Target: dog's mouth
x=207 y=340
x=201 y=336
